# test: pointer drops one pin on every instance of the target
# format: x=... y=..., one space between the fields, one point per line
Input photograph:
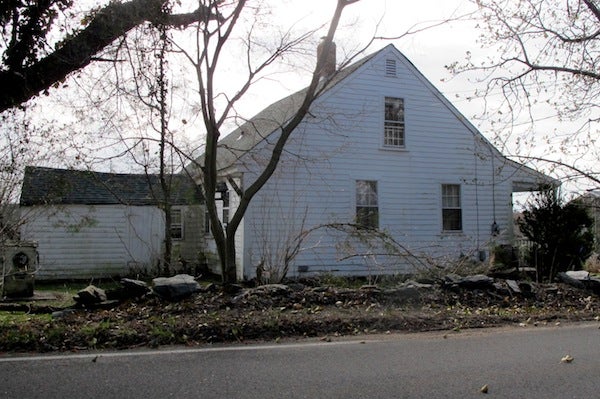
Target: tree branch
x=111 y=22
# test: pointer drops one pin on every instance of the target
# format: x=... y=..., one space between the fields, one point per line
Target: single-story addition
x=381 y=149
x=92 y=225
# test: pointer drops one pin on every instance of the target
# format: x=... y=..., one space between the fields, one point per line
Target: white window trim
x=441 y=202
x=181 y=226
x=383 y=146
x=378 y=199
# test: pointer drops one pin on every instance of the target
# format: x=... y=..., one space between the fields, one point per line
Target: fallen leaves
x=567 y=359
x=307 y=311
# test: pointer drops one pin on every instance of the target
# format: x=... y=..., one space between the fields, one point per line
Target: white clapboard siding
x=341 y=142
x=85 y=241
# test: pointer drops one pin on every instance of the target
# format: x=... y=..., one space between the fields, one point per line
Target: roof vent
x=390 y=67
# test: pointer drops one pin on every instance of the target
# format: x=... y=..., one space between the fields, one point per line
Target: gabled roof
x=270 y=119
x=65 y=186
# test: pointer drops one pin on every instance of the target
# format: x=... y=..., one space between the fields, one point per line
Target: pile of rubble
x=476 y=291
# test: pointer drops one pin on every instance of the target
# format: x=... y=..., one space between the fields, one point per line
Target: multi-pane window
x=451 y=208
x=367 y=208
x=225 y=214
x=393 y=135
x=176 y=224
x=222 y=197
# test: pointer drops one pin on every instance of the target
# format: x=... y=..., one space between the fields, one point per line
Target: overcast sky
x=430 y=50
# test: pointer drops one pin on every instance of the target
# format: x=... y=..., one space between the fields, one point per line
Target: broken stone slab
x=175 y=288
x=90 y=295
x=575 y=281
x=408 y=293
x=593 y=284
x=130 y=289
x=578 y=274
x=501 y=288
x=477 y=281
x=296 y=287
x=581 y=279
x=271 y=289
x=135 y=287
x=513 y=286
x=452 y=278
x=417 y=284
x=61 y=314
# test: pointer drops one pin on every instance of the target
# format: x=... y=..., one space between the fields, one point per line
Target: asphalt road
x=514 y=363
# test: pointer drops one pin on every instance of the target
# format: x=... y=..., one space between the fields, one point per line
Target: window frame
x=223 y=211
x=177 y=226
x=394 y=128
x=451 y=208
x=207 y=225
x=366 y=204
x=225 y=208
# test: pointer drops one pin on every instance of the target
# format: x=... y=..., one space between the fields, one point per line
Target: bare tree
x=22 y=142
x=140 y=89
x=34 y=59
x=212 y=38
x=543 y=57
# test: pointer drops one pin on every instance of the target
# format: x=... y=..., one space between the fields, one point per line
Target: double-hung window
x=367 y=208
x=393 y=133
x=222 y=200
x=225 y=213
x=176 y=227
x=451 y=207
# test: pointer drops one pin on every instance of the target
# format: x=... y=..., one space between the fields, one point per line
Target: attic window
x=390 y=67
x=393 y=133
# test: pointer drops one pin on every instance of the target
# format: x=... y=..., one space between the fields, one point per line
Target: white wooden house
x=94 y=225
x=383 y=148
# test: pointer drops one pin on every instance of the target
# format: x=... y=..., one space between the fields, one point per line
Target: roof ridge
x=268 y=120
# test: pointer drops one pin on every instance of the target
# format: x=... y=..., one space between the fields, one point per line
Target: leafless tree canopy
x=542 y=47
x=30 y=64
x=541 y=55
x=212 y=39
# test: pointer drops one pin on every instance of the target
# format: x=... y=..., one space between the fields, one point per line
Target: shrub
x=559 y=233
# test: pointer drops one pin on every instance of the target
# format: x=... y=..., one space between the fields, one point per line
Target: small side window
x=176 y=224
x=367 y=208
x=451 y=208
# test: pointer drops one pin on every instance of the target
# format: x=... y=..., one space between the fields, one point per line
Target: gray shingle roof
x=270 y=119
x=66 y=186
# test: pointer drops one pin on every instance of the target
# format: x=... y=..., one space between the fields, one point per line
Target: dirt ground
x=298 y=310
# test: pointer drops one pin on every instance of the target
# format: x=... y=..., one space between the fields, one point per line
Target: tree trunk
x=225 y=240
x=230 y=268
